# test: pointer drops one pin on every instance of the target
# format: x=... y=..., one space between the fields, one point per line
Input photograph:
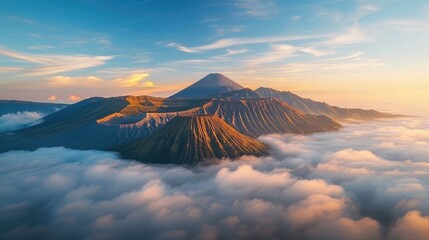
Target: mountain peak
x=191 y=139
x=216 y=75
x=209 y=86
x=217 y=80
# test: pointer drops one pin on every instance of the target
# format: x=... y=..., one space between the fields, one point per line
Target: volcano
x=105 y=123
x=192 y=139
x=210 y=86
x=154 y=129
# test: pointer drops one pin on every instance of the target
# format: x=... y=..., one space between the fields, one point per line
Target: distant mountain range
x=313 y=107
x=15 y=106
x=135 y=125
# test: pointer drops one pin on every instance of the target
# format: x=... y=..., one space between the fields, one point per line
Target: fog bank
x=367 y=181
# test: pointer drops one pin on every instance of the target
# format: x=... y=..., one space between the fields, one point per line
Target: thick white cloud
x=61 y=192
x=412 y=226
x=14 y=121
x=367 y=181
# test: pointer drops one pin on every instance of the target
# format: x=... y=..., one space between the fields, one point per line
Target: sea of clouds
x=15 y=121
x=367 y=181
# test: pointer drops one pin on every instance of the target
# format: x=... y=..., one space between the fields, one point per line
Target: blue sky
x=322 y=49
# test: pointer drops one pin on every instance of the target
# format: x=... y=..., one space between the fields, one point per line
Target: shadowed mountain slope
x=103 y=123
x=189 y=140
x=313 y=107
x=74 y=127
x=208 y=87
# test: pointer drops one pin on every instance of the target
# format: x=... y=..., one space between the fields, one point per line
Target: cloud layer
x=368 y=181
x=14 y=121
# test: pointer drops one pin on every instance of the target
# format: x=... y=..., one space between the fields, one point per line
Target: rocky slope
x=246 y=93
x=256 y=117
x=253 y=117
x=192 y=139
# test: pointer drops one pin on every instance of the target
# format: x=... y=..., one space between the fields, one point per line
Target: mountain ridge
x=310 y=106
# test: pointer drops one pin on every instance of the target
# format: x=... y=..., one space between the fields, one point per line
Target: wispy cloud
x=99 y=40
x=74 y=98
x=364 y=10
x=283 y=51
x=119 y=71
x=81 y=81
x=231 y=52
x=53 y=64
x=349 y=36
x=141 y=57
x=350 y=56
x=298 y=69
x=222 y=30
x=352 y=64
x=182 y=48
x=316 y=52
x=229 y=42
x=401 y=25
x=21 y=19
x=255 y=8
x=189 y=61
x=160 y=89
x=41 y=47
x=278 y=52
x=138 y=20
x=74 y=64
x=35 y=35
x=134 y=80
x=131 y=81
x=330 y=14
x=52 y=98
x=315 y=4
x=10 y=69
x=215 y=60
x=295 y=18
x=210 y=20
